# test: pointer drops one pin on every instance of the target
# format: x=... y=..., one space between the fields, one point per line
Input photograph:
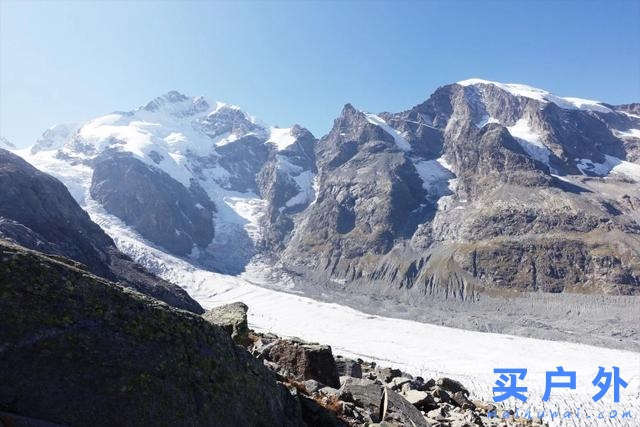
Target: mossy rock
x=76 y=349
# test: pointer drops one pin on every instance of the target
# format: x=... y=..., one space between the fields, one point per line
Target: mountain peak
x=177 y=104
x=541 y=95
x=174 y=96
x=55 y=137
x=348 y=109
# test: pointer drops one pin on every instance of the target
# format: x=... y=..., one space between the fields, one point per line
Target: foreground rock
x=78 y=350
x=305 y=361
x=232 y=318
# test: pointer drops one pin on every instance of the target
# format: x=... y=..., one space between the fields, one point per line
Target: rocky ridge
x=481 y=186
x=37 y=211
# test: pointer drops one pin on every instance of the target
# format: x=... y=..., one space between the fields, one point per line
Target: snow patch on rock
x=629 y=133
x=435 y=177
x=281 y=137
x=306 y=193
x=486 y=119
x=401 y=142
x=611 y=166
x=530 y=141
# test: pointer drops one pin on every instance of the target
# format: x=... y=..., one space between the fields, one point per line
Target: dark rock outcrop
x=77 y=350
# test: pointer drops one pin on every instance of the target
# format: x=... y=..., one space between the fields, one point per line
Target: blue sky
x=299 y=62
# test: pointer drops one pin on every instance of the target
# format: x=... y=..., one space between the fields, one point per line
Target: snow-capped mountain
x=184 y=173
x=450 y=197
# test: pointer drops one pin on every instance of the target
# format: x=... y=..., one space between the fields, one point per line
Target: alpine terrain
x=483 y=190
x=489 y=207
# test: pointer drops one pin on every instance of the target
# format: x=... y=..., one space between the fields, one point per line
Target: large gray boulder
x=305 y=361
x=381 y=402
x=397 y=408
x=232 y=318
x=348 y=367
x=364 y=394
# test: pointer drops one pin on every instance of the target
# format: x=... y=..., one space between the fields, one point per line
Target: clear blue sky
x=299 y=62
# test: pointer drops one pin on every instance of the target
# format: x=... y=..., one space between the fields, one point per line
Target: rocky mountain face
x=160 y=208
x=285 y=181
x=76 y=349
x=482 y=187
x=37 y=211
x=538 y=195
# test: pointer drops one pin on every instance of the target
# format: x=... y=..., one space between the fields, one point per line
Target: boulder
x=440 y=394
x=483 y=406
x=440 y=413
x=398 y=408
x=356 y=381
x=368 y=396
x=451 y=386
x=398 y=382
x=232 y=318
x=348 y=367
x=461 y=399
x=468 y=419
x=312 y=386
x=305 y=361
x=387 y=374
x=420 y=399
x=330 y=391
